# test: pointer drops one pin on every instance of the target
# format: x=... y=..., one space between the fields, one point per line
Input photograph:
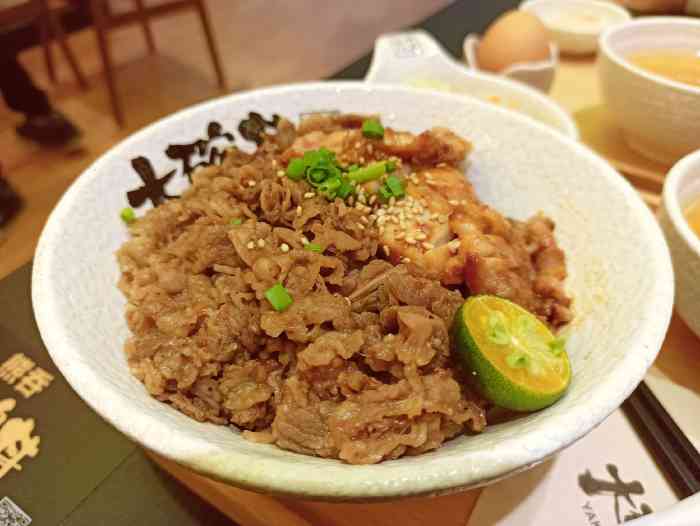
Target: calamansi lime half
x=516 y=361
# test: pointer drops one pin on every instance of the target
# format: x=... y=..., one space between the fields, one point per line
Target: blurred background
x=257 y=43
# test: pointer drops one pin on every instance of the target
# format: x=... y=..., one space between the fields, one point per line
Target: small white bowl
x=576 y=25
x=539 y=74
x=682 y=188
x=660 y=118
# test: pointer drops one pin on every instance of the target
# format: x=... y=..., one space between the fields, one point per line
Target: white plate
x=619 y=274
x=415 y=58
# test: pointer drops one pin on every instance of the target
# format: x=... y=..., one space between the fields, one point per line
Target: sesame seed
x=360 y=226
x=441 y=165
x=381 y=212
x=405 y=260
x=453 y=246
x=410 y=240
x=304 y=240
x=351 y=200
x=428 y=246
x=387 y=250
x=453 y=202
x=420 y=236
x=361 y=198
x=370 y=148
x=381 y=230
x=299 y=210
x=392 y=201
x=372 y=199
x=362 y=160
x=274 y=162
x=308 y=195
x=252 y=183
x=357 y=145
x=280 y=173
x=250 y=245
x=261 y=243
x=364 y=220
x=284 y=247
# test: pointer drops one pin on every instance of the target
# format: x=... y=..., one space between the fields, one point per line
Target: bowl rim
x=679 y=172
x=602 y=5
x=367 y=483
x=621 y=61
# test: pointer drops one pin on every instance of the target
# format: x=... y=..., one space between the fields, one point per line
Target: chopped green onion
x=353 y=167
x=330 y=186
x=390 y=166
x=316 y=175
x=395 y=186
x=346 y=188
x=296 y=168
x=372 y=129
x=385 y=193
x=313 y=247
x=278 y=297
x=236 y=221
x=368 y=173
x=128 y=216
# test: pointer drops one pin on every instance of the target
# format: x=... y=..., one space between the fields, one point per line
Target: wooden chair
x=46 y=15
x=142 y=14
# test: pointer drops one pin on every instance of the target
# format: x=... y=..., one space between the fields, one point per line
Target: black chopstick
x=671 y=448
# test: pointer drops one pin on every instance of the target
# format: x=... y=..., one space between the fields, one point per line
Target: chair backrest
x=18 y=12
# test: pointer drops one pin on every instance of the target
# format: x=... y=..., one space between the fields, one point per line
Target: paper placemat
x=607 y=478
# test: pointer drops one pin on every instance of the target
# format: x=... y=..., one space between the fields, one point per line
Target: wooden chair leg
x=57 y=30
x=45 y=37
x=146 y=25
x=101 y=27
x=206 y=24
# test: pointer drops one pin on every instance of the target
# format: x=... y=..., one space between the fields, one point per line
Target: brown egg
x=513 y=38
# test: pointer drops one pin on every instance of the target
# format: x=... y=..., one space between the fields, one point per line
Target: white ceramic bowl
x=416 y=58
x=619 y=274
x=575 y=25
x=681 y=188
x=660 y=118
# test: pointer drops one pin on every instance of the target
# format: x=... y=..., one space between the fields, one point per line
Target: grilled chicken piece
x=441 y=226
x=435 y=146
x=417 y=229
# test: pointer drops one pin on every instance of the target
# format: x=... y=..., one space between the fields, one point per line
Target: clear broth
x=674 y=64
x=692 y=215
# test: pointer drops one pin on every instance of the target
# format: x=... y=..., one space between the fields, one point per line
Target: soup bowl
x=619 y=274
x=681 y=189
x=659 y=117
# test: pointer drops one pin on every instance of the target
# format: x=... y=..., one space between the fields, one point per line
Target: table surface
x=575 y=88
